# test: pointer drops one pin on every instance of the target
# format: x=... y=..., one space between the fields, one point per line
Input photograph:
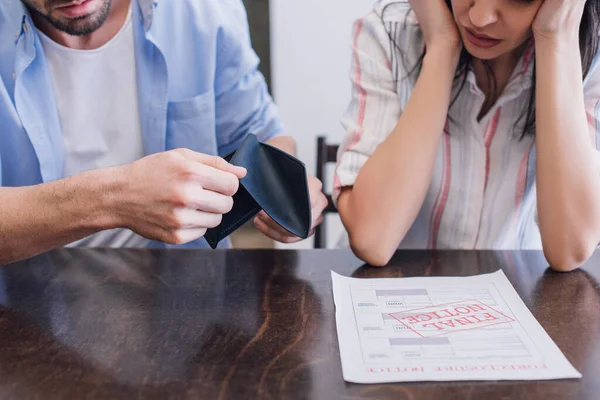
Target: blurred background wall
x=305 y=51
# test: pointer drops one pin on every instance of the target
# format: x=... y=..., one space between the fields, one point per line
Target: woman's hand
x=558 y=18
x=437 y=24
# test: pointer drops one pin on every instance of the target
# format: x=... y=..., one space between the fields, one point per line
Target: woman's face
x=492 y=28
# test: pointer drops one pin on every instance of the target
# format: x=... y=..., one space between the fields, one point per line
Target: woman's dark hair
x=588 y=44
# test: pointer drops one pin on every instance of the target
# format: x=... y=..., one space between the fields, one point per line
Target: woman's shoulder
x=396 y=12
x=393 y=28
x=393 y=20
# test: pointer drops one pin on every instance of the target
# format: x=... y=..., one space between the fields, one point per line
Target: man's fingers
x=214 y=179
x=185 y=236
x=316 y=223
x=274 y=233
x=220 y=164
x=195 y=196
x=268 y=221
x=214 y=162
x=187 y=218
x=315 y=188
x=320 y=205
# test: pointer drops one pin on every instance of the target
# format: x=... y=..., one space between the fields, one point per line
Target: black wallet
x=276 y=183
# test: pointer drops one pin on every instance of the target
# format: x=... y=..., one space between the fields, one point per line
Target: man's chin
x=79 y=26
x=81 y=21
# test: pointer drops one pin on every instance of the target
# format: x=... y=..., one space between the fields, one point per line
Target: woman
x=474 y=125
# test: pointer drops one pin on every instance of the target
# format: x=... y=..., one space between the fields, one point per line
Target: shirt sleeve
x=380 y=88
x=243 y=103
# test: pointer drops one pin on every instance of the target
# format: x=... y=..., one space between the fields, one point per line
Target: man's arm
x=285 y=143
x=172 y=197
x=38 y=218
x=242 y=100
x=244 y=106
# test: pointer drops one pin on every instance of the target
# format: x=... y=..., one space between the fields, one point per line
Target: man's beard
x=79 y=26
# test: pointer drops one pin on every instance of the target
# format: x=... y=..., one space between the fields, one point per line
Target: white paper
x=441 y=329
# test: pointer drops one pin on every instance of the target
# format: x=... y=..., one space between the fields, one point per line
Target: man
x=112 y=113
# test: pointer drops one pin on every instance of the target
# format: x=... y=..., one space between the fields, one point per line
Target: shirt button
x=17 y=34
x=14 y=76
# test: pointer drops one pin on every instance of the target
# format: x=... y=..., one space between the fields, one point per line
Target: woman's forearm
x=568 y=180
x=390 y=189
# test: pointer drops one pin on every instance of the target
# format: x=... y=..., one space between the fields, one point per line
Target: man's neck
x=115 y=21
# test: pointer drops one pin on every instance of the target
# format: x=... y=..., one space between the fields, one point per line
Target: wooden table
x=121 y=324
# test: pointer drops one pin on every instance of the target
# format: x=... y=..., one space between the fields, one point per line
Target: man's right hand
x=175 y=196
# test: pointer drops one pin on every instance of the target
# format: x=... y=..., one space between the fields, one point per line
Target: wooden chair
x=326 y=153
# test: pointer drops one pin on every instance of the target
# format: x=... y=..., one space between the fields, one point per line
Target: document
x=441 y=329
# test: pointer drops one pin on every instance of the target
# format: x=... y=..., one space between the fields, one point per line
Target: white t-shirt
x=97 y=99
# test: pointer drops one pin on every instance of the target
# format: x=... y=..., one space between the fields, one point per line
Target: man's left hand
x=273 y=230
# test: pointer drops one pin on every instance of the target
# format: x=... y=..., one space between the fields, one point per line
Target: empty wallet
x=276 y=182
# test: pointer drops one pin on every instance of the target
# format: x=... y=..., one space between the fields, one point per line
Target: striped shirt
x=483 y=193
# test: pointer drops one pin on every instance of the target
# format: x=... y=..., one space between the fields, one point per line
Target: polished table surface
x=141 y=324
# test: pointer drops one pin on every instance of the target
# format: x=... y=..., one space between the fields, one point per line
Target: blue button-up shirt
x=197 y=78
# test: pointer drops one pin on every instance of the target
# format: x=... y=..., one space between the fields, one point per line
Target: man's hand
x=175 y=196
x=273 y=230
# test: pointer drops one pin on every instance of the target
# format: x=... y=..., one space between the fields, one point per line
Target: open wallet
x=276 y=182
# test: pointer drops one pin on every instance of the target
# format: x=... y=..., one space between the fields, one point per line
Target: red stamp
x=448 y=318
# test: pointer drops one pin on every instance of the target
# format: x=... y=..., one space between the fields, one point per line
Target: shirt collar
x=147 y=9
x=521 y=78
x=24 y=18
x=523 y=72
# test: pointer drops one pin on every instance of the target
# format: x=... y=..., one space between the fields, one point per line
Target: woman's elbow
x=367 y=240
x=371 y=250
x=569 y=258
